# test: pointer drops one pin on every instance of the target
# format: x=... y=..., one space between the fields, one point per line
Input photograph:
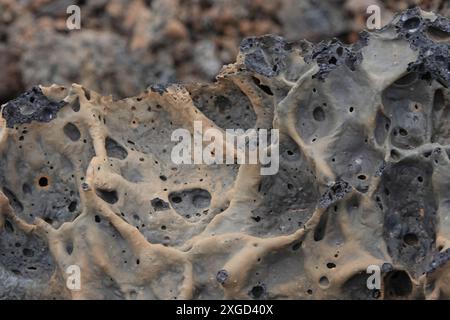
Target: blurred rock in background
x=124 y=46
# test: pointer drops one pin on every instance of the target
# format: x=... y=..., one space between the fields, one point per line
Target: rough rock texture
x=363 y=180
x=126 y=45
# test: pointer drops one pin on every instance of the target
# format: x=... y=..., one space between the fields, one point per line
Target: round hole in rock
x=114 y=149
x=403 y=132
x=319 y=114
x=72 y=132
x=107 y=196
x=28 y=252
x=411 y=24
x=257 y=291
x=395 y=154
x=362 y=177
x=159 y=204
x=410 y=239
x=397 y=283
x=257 y=218
x=69 y=248
x=75 y=105
x=420 y=179
x=331 y=265
x=72 y=206
x=351 y=109
x=188 y=202
x=324 y=282
x=43 y=182
x=437 y=34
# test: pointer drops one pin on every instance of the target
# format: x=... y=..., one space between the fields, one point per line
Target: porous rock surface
x=364 y=179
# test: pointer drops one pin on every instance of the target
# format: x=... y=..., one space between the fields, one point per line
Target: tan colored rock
x=88 y=180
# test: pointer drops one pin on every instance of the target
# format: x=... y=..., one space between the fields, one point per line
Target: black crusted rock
x=222 y=276
x=159 y=88
x=336 y=192
x=159 y=204
x=265 y=55
x=329 y=55
x=29 y=106
x=430 y=38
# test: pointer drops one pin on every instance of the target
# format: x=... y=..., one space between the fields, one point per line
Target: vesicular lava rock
x=363 y=180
